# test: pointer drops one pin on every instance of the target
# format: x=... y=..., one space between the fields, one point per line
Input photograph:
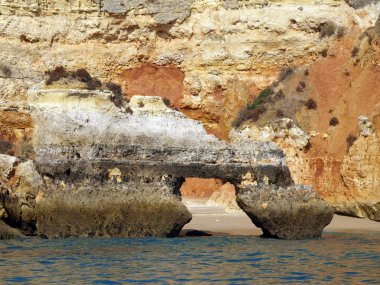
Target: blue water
x=337 y=258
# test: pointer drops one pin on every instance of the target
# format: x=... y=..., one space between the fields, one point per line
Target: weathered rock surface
x=7 y=232
x=360 y=172
x=210 y=58
x=225 y=197
x=216 y=45
x=357 y=193
x=126 y=209
x=360 y=3
x=129 y=185
x=85 y=184
x=20 y=184
x=84 y=133
x=294 y=212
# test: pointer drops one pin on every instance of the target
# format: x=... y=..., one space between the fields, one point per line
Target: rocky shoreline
x=104 y=170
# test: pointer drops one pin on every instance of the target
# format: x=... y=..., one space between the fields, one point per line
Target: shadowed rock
x=89 y=208
x=163 y=11
x=357 y=4
x=7 y=232
x=293 y=212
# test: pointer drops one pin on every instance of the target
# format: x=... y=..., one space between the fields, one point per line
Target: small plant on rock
x=324 y=52
x=263 y=96
x=279 y=95
x=285 y=72
x=301 y=86
x=327 y=29
x=334 y=121
x=311 y=104
x=82 y=74
x=350 y=140
x=56 y=74
x=354 y=51
x=280 y=114
x=166 y=101
x=6 y=71
x=246 y=114
x=340 y=32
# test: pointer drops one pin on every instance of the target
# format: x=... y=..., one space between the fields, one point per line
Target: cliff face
x=210 y=59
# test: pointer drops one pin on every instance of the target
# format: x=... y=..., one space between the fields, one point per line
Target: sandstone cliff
x=104 y=167
x=210 y=58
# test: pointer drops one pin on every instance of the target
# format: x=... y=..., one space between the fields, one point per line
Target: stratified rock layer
x=88 y=208
x=116 y=170
x=294 y=212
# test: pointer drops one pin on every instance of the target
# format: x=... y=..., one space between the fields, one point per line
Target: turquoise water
x=337 y=258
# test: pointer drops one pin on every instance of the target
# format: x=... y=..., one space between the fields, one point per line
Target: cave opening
x=212 y=203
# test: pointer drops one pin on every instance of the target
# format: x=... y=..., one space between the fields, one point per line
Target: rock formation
x=19 y=184
x=358 y=170
x=109 y=169
x=294 y=212
x=321 y=59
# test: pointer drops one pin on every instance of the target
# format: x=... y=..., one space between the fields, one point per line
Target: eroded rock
x=116 y=170
x=366 y=127
x=357 y=4
x=7 y=232
x=20 y=183
x=87 y=208
x=293 y=212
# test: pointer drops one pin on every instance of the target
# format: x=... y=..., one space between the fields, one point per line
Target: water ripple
x=335 y=259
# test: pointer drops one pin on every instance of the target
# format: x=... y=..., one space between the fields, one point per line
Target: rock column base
x=110 y=210
x=294 y=212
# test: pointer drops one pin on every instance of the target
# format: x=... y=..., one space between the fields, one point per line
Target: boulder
x=293 y=212
x=7 y=164
x=110 y=209
x=7 y=232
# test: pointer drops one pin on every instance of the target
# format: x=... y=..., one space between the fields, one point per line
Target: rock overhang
x=84 y=131
x=115 y=170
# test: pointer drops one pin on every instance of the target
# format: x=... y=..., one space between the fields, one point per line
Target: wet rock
x=7 y=232
x=293 y=212
x=109 y=209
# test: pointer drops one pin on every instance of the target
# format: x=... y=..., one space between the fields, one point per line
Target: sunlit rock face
x=210 y=58
x=219 y=54
x=116 y=170
x=122 y=165
x=357 y=191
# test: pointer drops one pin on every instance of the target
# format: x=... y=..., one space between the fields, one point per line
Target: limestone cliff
x=210 y=59
x=105 y=167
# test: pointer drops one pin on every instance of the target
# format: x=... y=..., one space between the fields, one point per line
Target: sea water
x=337 y=258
